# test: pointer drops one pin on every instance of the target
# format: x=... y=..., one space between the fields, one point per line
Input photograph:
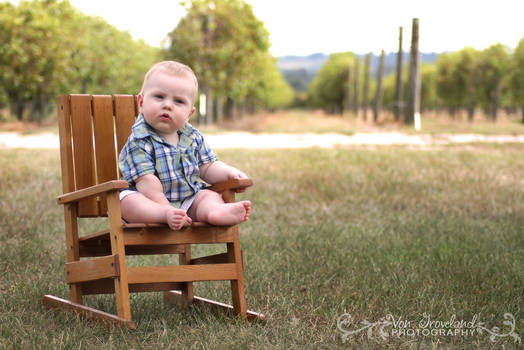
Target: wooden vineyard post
x=349 y=91
x=378 y=94
x=398 y=83
x=367 y=78
x=413 y=108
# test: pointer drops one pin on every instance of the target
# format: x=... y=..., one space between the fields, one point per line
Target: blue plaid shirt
x=145 y=152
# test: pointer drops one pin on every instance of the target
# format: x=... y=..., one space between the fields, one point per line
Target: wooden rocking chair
x=93 y=130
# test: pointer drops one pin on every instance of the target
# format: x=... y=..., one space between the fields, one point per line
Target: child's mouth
x=165 y=117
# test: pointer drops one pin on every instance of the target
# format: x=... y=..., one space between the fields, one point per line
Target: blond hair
x=172 y=68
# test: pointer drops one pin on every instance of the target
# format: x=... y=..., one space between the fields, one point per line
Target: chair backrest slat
x=83 y=151
x=103 y=122
x=93 y=130
x=125 y=114
x=66 y=145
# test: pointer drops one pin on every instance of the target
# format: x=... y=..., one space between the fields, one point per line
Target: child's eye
x=158 y=96
x=179 y=101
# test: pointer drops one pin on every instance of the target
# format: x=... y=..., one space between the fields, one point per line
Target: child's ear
x=140 y=100
x=192 y=112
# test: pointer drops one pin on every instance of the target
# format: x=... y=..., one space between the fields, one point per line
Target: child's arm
x=218 y=171
x=151 y=187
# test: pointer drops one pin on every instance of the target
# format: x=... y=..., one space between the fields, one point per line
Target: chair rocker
x=93 y=130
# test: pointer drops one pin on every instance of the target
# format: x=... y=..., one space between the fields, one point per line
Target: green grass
x=347 y=230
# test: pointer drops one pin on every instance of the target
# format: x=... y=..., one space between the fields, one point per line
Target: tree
x=33 y=53
x=328 y=88
x=458 y=80
x=495 y=65
x=428 y=87
x=105 y=59
x=220 y=40
x=268 y=88
x=447 y=88
x=43 y=56
x=467 y=78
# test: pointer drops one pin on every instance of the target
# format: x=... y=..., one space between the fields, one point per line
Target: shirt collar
x=142 y=130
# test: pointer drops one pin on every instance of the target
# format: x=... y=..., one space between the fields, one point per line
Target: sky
x=304 y=27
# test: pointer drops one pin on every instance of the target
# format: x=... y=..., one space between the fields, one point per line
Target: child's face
x=166 y=102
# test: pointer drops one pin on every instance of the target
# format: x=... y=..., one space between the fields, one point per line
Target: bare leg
x=209 y=207
x=138 y=208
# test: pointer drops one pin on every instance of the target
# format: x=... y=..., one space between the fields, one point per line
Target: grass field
x=367 y=232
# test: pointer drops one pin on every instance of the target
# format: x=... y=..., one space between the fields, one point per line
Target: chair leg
x=73 y=253
x=123 y=303
x=75 y=293
x=188 y=296
x=117 y=247
x=234 y=255
x=237 y=286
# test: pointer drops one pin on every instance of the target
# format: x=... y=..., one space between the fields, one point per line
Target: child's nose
x=167 y=104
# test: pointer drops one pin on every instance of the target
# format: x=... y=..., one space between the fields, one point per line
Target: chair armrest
x=235 y=184
x=96 y=190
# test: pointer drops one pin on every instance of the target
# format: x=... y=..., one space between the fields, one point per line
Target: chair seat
x=155 y=239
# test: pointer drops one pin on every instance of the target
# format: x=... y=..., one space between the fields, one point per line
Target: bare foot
x=230 y=213
x=177 y=218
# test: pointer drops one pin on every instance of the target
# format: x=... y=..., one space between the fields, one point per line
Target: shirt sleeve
x=204 y=152
x=136 y=159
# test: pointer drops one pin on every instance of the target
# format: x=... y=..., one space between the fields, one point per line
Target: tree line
x=466 y=80
x=49 y=48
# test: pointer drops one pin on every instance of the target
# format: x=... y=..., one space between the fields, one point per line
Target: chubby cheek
x=149 y=108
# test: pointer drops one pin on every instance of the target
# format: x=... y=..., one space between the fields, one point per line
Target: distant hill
x=390 y=62
x=300 y=70
x=311 y=63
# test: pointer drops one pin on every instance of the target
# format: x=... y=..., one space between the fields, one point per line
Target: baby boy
x=167 y=162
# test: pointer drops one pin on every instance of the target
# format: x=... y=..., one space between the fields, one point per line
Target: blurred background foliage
x=48 y=47
x=228 y=48
x=465 y=80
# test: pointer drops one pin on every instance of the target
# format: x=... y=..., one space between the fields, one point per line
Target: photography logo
x=392 y=327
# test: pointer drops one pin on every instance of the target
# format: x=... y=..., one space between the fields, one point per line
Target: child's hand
x=237 y=174
x=177 y=218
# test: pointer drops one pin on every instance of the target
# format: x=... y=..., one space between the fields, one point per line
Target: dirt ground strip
x=268 y=141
